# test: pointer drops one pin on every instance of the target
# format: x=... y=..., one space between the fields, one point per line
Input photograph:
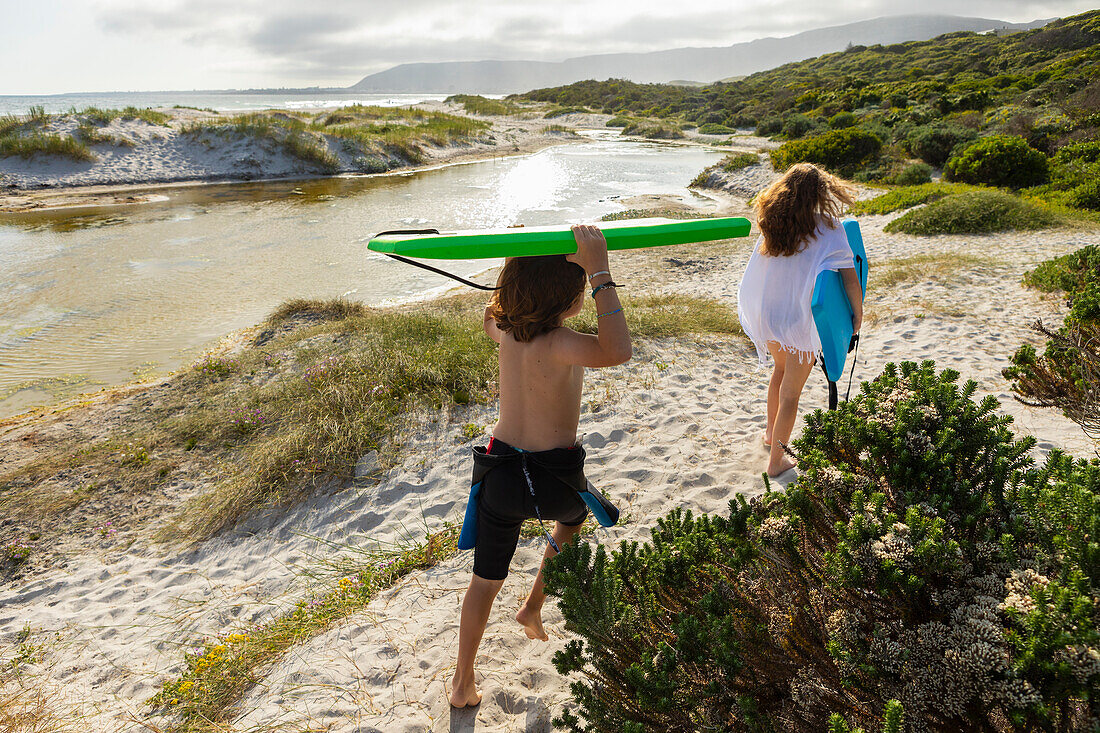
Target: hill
x=705 y=64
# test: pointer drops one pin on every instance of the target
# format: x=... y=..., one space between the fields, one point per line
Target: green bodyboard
x=556 y=240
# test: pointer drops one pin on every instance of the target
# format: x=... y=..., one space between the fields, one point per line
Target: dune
x=678 y=426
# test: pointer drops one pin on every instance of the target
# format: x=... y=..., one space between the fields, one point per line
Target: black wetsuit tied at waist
x=518 y=485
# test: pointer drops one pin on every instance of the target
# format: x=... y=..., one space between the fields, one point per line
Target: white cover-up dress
x=773 y=302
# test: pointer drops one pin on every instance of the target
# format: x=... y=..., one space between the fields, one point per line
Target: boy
x=533 y=459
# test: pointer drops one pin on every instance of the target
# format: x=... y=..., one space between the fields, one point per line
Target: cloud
x=346 y=39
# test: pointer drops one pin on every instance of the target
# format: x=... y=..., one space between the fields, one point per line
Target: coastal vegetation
x=220 y=672
x=920 y=569
x=1066 y=375
x=376 y=138
x=318 y=387
x=1020 y=111
x=476 y=104
x=975 y=212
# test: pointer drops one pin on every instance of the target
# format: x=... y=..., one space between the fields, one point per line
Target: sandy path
x=679 y=426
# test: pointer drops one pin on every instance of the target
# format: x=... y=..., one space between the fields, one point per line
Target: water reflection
x=99 y=291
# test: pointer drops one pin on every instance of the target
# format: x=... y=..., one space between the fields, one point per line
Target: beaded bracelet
x=610 y=313
x=598 y=288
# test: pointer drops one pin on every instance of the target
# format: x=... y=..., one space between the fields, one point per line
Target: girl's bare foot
x=785 y=464
x=767 y=441
x=464 y=695
x=531 y=621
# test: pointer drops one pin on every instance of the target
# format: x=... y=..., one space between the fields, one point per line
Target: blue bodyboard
x=830 y=307
x=467 y=538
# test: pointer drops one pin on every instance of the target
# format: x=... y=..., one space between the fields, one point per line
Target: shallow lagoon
x=94 y=297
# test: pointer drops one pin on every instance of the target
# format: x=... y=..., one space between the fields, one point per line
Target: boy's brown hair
x=534 y=294
x=787 y=210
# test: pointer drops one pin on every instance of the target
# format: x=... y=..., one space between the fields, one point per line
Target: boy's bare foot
x=531 y=621
x=464 y=696
x=785 y=464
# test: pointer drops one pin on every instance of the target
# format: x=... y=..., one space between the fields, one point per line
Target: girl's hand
x=591 y=248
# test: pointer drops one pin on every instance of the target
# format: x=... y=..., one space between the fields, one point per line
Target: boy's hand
x=591 y=248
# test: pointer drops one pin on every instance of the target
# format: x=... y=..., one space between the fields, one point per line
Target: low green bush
x=1086 y=196
x=934 y=143
x=920 y=565
x=652 y=130
x=914 y=175
x=841 y=151
x=1087 y=152
x=797 y=126
x=906 y=198
x=618 y=121
x=736 y=162
x=712 y=128
x=1066 y=375
x=974 y=212
x=1000 y=160
x=841 y=120
x=479 y=105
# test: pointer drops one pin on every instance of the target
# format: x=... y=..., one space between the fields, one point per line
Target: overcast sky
x=54 y=46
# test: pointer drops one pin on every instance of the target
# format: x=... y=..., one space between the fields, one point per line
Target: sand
x=678 y=426
x=160 y=156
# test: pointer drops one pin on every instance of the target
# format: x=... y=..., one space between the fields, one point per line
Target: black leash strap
x=853 y=349
x=429 y=268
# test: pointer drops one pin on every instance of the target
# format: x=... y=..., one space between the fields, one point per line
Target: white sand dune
x=679 y=426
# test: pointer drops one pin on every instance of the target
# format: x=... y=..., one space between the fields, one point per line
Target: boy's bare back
x=541 y=380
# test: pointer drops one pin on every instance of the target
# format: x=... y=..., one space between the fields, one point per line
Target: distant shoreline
x=159 y=157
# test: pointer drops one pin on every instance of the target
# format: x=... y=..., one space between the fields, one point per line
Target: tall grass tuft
x=217 y=678
x=28 y=146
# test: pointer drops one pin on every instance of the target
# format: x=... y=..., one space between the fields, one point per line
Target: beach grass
x=27 y=146
x=660 y=316
x=38 y=115
x=939 y=267
x=222 y=671
x=322 y=384
x=666 y=213
x=980 y=211
x=476 y=104
x=373 y=134
x=102 y=116
x=733 y=163
x=93 y=135
x=906 y=197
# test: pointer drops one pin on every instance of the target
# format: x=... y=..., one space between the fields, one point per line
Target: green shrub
x=914 y=175
x=652 y=130
x=479 y=105
x=62 y=146
x=769 y=126
x=736 y=162
x=1086 y=196
x=934 y=143
x=1000 y=160
x=1084 y=152
x=798 y=125
x=974 y=212
x=712 y=128
x=918 y=565
x=841 y=120
x=618 y=121
x=1067 y=374
x=841 y=151
x=1070 y=272
x=906 y=198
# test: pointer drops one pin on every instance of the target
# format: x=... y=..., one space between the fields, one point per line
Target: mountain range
x=698 y=64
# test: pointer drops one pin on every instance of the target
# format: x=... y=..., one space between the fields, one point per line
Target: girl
x=800 y=237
